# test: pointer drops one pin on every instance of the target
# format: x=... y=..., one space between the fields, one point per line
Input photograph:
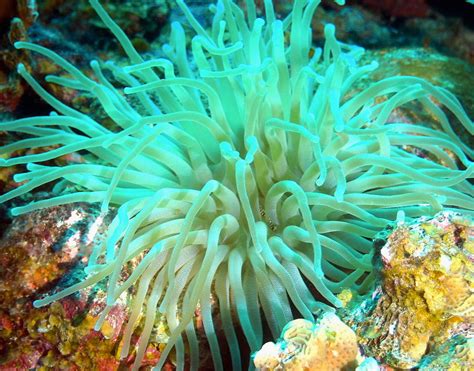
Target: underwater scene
x=237 y=184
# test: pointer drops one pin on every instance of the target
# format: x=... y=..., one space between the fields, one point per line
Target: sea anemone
x=250 y=171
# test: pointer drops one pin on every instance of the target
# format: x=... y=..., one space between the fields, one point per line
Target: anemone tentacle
x=252 y=173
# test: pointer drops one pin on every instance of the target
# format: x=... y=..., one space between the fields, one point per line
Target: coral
x=456 y=354
x=21 y=16
x=35 y=252
x=37 y=249
x=426 y=295
x=143 y=19
x=26 y=10
x=430 y=261
x=11 y=91
x=54 y=338
x=326 y=345
x=254 y=173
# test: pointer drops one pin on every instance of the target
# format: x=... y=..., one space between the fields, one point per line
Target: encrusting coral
x=253 y=172
x=426 y=297
x=456 y=354
x=327 y=345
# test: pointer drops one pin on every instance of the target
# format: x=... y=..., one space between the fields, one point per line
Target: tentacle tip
x=227 y=150
x=339 y=127
x=38 y=303
x=21 y=69
x=259 y=22
x=442 y=199
x=16 y=211
x=400 y=217
x=18 y=44
x=315 y=139
x=212 y=185
x=329 y=29
x=98 y=325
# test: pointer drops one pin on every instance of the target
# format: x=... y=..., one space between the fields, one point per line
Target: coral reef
x=37 y=249
x=144 y=19
x=421 y=315
x=35 y=252
x=456 y=354
x=60 y=337
x=454 y=73
x=19 y=16
x=438 y=32
x=426 y=295
x=244 y=176
x=49 y=248
x=326 y=345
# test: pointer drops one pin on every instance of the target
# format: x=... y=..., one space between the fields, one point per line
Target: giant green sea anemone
x=247 y=169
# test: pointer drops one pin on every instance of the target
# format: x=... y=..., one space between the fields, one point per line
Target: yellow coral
x=427 y=288
x=345 y=296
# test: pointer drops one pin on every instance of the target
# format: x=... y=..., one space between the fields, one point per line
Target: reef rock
x=455 y=354
x=327 y=345
x=426 y=293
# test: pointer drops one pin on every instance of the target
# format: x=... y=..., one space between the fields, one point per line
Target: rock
x=327 y=345
x=455 y=354
x=425 y=297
